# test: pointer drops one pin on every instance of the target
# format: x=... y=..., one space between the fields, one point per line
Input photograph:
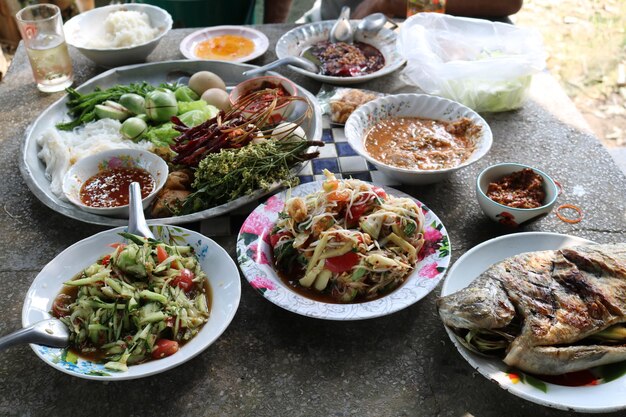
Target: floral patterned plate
x=223 y=278
x=255 y=259
x=601 y=389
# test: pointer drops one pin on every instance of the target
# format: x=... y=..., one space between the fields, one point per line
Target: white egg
x=217 y=97
x=284 y=130
x=203 y=80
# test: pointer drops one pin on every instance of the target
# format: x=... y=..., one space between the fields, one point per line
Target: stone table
x=270 y=362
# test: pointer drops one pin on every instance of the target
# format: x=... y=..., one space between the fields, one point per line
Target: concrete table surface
x=270 y=362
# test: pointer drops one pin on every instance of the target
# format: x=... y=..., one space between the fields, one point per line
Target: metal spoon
x=373 y=23
x=342 y=29
x=136 y=220
x=289 y=60
x=51 y=332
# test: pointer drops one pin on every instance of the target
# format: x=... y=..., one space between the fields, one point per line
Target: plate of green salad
x=134 y=307
x=220 y=157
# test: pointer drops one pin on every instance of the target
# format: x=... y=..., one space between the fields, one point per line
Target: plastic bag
x=484 y=65
x=340 y=102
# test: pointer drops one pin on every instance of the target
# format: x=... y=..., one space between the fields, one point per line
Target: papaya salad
x=140 y=302
x=349 y=242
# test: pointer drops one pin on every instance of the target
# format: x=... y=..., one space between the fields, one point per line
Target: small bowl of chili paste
x=99 y=183
x=511 y=193
x=277 y=88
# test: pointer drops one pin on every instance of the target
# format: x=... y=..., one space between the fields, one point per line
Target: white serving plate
x=33 y=169
x=294 y=42
x=261 y=43
x=604 y=397
x=223 y=277
x=255 y=260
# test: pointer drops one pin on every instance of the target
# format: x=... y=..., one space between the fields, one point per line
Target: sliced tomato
x=118 y=245
x=380 y=192
x=184 y=280
x=161 y=254
x=356 y=211
x=275 y=238
x=342 y=263
x=106 y=260
x=164 y=348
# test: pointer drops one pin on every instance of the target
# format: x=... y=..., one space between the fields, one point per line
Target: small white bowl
x=506 y=215
x=87 y=167
x=261 y=43
x=90 y=25
x=297 y=40
x=281 y=112
x=413 y=105
x=222 y=275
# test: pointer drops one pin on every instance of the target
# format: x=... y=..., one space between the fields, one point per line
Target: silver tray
x=33 y=169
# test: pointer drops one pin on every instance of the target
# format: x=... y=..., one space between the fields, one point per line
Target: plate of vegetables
x=134 y=307
x=343 y=250
x=169 y=109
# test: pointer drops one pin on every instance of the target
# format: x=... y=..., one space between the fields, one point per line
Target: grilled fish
x=568 y=305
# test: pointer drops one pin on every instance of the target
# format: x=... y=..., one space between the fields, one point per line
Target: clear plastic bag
x=484 y=65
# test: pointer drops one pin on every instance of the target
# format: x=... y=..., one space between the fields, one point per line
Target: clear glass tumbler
x=41 y=27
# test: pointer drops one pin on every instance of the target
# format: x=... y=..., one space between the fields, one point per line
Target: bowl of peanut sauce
x=418 y=138
x=511 y=193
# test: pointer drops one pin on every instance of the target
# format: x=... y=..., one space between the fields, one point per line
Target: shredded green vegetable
x=142 y=293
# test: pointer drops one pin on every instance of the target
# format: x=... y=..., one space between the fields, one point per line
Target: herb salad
x=140 y=302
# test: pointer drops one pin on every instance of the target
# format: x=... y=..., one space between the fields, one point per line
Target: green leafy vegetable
x=83 y=106
x=232 y=173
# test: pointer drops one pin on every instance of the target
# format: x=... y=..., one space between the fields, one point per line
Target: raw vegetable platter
x=33 y=169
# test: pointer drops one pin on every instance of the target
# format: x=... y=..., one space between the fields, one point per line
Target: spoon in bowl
x=53 y=332
x=50 y=332
x=305 y=64
x=136 y=220
x=342 y=29
x=372 y=24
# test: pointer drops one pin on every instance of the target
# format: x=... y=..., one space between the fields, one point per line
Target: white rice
x=124 y=28
x=60 y=150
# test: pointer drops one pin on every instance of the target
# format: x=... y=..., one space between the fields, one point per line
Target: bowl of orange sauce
x=99 y=183
x=225 y=43
x=418 y=138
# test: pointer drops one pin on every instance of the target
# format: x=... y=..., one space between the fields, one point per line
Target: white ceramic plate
x=261 y=43
x=223 y=278
x=423 y=106
x=604 y=397
x=33 y=169
x=255 y=260
x=294 y=42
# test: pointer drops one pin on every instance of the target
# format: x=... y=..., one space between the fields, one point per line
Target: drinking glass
x=42 y=31
x=419 y=6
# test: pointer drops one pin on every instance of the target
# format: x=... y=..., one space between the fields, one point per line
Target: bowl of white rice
x=117 y=35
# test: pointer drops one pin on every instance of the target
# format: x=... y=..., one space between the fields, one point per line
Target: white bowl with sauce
x=513 y=216
x=120 y=160
x=420 y=106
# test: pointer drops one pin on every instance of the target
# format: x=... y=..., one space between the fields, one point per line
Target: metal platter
x=33 y=169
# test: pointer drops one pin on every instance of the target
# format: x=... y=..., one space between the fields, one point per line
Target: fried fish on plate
x=549 y=312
